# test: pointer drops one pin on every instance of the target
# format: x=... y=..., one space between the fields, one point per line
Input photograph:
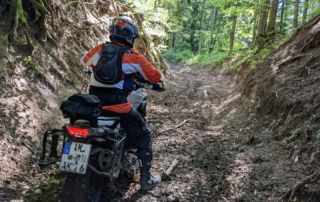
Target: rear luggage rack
x=53 y=151
x=119 y=141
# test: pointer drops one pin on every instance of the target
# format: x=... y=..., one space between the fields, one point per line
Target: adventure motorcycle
x=93 y=150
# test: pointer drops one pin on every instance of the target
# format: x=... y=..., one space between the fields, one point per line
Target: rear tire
x=84 y=188
x=75 y=188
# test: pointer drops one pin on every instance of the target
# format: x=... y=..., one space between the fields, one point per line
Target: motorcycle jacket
x=132 y=62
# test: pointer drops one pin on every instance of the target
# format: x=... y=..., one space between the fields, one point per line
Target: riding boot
x=147 y=181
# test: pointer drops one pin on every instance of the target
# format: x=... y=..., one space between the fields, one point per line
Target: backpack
x=81 y=106
x=109 y=68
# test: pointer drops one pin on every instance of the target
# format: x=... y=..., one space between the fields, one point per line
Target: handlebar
x=140 y=82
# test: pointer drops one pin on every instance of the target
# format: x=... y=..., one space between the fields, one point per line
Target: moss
x=28 y=61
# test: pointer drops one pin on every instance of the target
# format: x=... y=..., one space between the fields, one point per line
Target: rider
x=113 y=97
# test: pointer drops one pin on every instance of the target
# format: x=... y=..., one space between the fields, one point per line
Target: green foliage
x=208 y=59
x=189 y=57
x=20 y=11
x=161 y=18
x=184 y=55
x=170 y=54
x=178 y=55
x=28 y=61
x=6 y=36
x=183 y=46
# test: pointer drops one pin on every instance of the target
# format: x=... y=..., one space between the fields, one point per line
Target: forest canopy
x=194 y=29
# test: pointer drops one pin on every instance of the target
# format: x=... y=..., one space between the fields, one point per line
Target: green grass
x=189 y=57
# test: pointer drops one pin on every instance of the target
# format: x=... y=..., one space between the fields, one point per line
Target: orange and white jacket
x=132 y=62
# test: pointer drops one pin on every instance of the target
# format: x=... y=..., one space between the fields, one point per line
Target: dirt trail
x=224 y=152
x=221 y=155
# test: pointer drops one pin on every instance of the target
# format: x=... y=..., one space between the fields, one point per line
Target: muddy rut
x=221 y=155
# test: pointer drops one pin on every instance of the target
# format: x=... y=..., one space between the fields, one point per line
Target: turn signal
x=78 y=132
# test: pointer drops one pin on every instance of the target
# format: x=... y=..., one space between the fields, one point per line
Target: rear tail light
x=78 y=132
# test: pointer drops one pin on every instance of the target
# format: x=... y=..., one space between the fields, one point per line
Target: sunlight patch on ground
x=239 y=176
x=157 y=109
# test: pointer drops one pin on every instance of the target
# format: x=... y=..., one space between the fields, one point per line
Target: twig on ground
x=166 y=174
x=181 y=124
x=308 y=180
x=253 y=175
x=70 y=3
x=28 y=147
x=313 y=193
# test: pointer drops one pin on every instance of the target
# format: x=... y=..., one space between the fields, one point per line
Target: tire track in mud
x=225 y=152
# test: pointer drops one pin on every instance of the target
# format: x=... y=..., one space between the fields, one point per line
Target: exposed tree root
x=16 y=12
x=29 y=63
x=308 y=180
x=313 y=42
x=12 y=20
x=295 y=58
x=47 y=5
x=41 y=15
x=38 y=6
x=29 y=42
x=43 y=33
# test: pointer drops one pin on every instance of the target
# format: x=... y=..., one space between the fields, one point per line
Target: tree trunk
x=254 y=28
x=281 y=18
x=263 y=19
x=214 y=17
x=295 y=14
x=265 y=26
x=192 y=39
x=213 y=25
x=233 y=28
x=202 y=16
x=273 y=16
x=171 y=40
x=193 y=25
x=305 y=11
x=176 y=39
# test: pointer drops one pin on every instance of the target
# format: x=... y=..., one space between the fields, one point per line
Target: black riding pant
x=139 y=134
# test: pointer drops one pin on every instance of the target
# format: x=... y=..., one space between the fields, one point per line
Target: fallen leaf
x=136 y=178
x=137 y=187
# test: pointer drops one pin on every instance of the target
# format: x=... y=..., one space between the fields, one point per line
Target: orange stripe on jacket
x=92 y=52
x=151 y=73
x=120 y=108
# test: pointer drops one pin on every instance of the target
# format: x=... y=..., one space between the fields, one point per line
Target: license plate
x=75 y=157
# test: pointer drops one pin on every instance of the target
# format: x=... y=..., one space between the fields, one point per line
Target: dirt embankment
x=284 y=92
x=281 y=99
x=33 y=85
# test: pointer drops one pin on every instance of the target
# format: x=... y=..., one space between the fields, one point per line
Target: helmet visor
x=122 y=33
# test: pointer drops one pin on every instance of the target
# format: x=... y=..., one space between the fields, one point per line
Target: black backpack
x=81 y=106
x=109 y=68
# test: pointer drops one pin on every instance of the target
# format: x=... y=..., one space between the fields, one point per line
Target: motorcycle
x=93 y=155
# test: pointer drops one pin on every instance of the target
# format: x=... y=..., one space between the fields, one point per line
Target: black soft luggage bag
x=81 y=106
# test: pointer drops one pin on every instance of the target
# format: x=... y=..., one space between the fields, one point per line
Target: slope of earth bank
x=33 y=85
